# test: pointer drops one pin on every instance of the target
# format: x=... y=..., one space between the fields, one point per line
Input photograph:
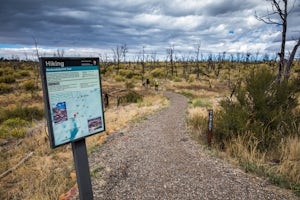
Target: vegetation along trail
x=157 y=159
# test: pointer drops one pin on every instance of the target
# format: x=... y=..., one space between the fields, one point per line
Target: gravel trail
x=157 y=159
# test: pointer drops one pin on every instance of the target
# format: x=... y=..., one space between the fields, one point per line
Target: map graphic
x=75 y=101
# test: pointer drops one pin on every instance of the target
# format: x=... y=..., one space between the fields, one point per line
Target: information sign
x=73 y=98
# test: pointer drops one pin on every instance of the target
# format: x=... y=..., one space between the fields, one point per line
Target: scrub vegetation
x=29 y=168
x=255 y=125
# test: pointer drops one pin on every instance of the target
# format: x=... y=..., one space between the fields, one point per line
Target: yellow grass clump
x=196 y=117
x=244 y=149
x=290 y=159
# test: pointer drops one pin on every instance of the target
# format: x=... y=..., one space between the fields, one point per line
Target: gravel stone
x=157 y=159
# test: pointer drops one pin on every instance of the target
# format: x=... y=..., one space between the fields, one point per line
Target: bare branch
x=267 y=19
x=277 y=8
x=36 y=48
x=124 y=51
x=16 y=166
x=292 y=8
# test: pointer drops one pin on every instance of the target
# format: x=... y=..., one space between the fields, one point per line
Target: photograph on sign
x=72 y=91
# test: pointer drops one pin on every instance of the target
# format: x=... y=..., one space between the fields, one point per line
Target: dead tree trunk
x=290 y=61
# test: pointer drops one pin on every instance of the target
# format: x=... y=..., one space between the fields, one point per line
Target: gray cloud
x=222 y=7
x=221 y=25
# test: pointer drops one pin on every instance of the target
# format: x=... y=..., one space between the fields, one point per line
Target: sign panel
x=210 y=120
x=73 y=98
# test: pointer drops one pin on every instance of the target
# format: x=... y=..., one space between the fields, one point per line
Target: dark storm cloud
x=70 y=22
x=220 y=25
x=227 y=7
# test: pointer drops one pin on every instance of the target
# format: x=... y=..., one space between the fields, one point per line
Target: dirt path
x=157 y=159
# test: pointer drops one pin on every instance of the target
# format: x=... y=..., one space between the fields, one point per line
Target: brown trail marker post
x=210 y=126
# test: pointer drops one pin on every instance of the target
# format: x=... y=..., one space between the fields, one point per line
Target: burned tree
x=280 y=8
x=117 y=57
x=197 y=51
x=170 y=53
x=124 y=51
x=143 y=61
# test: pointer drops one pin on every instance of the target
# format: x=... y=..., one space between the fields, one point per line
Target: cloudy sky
x=95 y=27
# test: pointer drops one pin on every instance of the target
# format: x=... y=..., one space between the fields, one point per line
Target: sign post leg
x=82 y=170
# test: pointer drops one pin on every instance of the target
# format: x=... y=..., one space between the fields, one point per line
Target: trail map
x=75 y=102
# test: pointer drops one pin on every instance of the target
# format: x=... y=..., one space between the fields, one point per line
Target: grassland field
x=47 y=173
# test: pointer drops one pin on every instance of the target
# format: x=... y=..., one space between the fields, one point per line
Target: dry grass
x=204 y=88
x=200 y=89
x=244 y=150
x=47 y=174
x=42 y=170
x=197 y=118
x=290 y=159
x=120 y=116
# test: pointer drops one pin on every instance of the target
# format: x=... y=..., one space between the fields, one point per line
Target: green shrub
x=201 y=103
x=119 y=78
x=106 y=70
x=14 y=127
x=29 y=85
x=6 y=71
x=126 y=73
x=129 y=84
x=23 y=112
x=7 y=79
x=5 y=88
x=24 y=73
x=177 y=79
x=230 y=121
x=158 y=73
x=297 y=69
x=15 y=122
x=191 y=79
x=2 y=114
x=188 y=94
x=123 y=72
x=131 y=97
x=136 y=77
x=263 y=107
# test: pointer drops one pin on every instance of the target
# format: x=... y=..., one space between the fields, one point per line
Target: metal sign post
x=210 y=126
x=82 y=170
